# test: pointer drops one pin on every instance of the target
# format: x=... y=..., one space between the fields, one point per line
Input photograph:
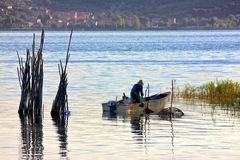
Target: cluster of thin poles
x=60 y=103
x=30 y=75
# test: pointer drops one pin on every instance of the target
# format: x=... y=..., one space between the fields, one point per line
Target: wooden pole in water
x=60 y=103
x=30 y=75
x=147 y=110
x=171 y=100
x=148 y=90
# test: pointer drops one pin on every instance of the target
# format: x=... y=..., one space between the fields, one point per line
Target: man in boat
x=137 y=91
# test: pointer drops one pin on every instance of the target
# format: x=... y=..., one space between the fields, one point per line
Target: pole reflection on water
x=141 y=126
x=61 y=122
x=172 y=131
x=32 y=137
x=137 y=125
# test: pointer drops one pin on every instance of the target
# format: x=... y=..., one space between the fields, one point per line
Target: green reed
x=225 y=92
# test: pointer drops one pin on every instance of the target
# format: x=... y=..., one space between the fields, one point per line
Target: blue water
x=103 y=65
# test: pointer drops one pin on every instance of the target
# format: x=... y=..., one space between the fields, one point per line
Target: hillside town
x=24 y=16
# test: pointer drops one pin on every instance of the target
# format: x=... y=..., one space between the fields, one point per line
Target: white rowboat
x=155 y=103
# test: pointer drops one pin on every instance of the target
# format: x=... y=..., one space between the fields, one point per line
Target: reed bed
x=225 y=92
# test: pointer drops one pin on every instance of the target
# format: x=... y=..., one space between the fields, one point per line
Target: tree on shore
x=138 y=24
x=120 y=22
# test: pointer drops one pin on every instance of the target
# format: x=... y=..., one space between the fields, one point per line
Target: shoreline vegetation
x=82 y=29
x=9 y=24
x=219 y=92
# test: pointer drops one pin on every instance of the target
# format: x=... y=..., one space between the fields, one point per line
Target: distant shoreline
x=161 y=29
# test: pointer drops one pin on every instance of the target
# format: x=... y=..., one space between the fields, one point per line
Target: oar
x=147 y=110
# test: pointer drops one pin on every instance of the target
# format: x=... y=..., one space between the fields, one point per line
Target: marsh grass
x=222 y=92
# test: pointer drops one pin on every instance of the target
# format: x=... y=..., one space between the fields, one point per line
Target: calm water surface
x=102 y=66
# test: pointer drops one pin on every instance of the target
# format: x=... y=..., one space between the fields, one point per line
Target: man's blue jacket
x=137 y=88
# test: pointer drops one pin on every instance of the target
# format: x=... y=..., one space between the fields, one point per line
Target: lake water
x=102 y=66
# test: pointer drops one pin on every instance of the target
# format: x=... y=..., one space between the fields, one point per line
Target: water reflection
x=170 y=119
x=32 y=137
x=142 y=126
x=216 y=109
x=233 y=111
x=61 y=123
x=137 y=125
x=172 y=131
x=109 y=115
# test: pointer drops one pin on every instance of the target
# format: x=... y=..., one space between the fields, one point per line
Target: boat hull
x=155 y=104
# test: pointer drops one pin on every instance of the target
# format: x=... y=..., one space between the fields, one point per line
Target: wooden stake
x=30 y=78
x=171 y=101
x=60 y=103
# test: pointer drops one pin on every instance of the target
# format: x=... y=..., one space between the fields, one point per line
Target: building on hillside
x=174 y=20
x=130 y=21
x=105 y=22
x=10 y=7
x=155 y=22
x=72 y=16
